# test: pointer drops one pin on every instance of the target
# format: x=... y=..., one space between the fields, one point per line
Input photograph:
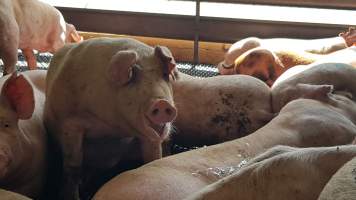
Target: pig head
x=108 y=88
x=22 y=136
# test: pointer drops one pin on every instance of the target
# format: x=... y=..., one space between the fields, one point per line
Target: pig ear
x=318 y=92
x=19 y=93
x=344 y=93
x=166 y=56
x=73 y=34
x=120 y=66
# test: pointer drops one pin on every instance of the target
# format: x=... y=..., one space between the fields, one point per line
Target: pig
x=31 y=25
x=281 y=173
x=303 y=122
x=341 y=76
x=23 y=145
x=267 y=59
x=7 y=195
x=107 y=90
x=220 y=108
x=342 y=183
x=349 y=36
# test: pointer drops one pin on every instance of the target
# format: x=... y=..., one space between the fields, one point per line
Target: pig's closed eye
x=260 y=76
x=172 y=77
x=133 y=74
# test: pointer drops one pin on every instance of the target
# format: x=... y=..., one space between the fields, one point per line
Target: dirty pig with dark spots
x=221 y=108
x=108 y=88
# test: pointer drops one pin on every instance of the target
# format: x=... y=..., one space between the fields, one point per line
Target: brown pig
x=342 y=184
x=220 y=108
x=108 y=89
x=267 y=59
x=23 y=137
x=31 y=25
x=289 y=86
x=282 y=173
x=301 y=123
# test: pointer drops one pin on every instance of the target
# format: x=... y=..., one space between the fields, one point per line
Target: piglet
x=31 y=25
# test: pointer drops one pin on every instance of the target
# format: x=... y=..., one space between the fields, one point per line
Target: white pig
x=31 y=25
x=23 y=150
x=281 y=173
x=220 y=108
x=341 y=76
x=342 y=184
x=7 y=195
x=111 y=89
x=267 y=59
x=301 y=123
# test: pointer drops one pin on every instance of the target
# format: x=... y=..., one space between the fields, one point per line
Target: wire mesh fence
x=43 y=60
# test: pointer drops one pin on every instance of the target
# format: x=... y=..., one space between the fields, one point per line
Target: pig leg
x=30 y=58
x=72 y=144
x=10 y=60
x=151 y=150
x=8 y=53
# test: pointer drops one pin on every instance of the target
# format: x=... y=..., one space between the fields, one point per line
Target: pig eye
x=260 y=76
x=6 y=125
x=133 y=73
x=166 y=76
x=173 y=76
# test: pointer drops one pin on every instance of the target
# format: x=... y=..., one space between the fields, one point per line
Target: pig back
x=221 y=108
x=341 y=76
x=7 y=195
x=315 y=123
x=342 y=183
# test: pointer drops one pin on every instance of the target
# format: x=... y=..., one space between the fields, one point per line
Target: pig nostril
x=155 y=111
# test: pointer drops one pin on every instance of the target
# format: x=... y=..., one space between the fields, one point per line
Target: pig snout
x=161 y=112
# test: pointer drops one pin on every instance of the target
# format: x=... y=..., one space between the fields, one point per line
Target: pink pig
x=23 y=143
x=29 y=25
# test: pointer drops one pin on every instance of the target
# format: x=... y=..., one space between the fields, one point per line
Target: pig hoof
x=349 y=36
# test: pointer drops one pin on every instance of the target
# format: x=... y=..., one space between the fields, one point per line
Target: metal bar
x=183 y=27
x=336 y=4
x=196 y=32
x=131 y=23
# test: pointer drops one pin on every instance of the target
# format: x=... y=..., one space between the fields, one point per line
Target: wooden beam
x=182 y=50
